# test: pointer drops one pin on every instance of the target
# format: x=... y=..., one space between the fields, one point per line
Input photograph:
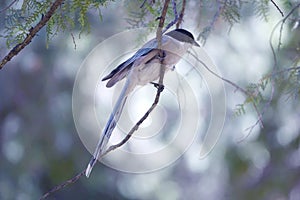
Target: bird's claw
x=158 y=86
x=161 y=56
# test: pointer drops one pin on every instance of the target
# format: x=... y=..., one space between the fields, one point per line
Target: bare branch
x=175 y=18
x=142 y=5
x=73 y=40
x=281 y=23
x=259 y=120
x=32 y=33
x=274 y=73
x=180 y=19
x=277 y=7
x=63 y=185
x=136 y=126
x=207 y=30
x=144 y=2
x=159 y=44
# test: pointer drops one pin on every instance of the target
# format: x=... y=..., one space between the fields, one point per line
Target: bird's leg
x=161 y=57
x=158 y=86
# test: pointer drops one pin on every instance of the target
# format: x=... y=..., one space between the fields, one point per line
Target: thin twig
x=150 y=2
x=175 y=18
x=207 y=30
x=142 y=5
x=10 y=5
x=245 y=92
x=180 y=19
x=220 y=77
x=280 y=36
x=280 y=72
x=136 y=126
x=267 y=104
x=63 y=185
x=277 y=7
x=32 y=33
x=73 y=40
x=281 y=23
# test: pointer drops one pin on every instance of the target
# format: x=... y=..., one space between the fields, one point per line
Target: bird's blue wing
x=128 y=63
x=121 y=71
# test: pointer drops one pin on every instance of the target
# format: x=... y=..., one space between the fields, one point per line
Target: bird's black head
x=183 y=36
x=185 y=32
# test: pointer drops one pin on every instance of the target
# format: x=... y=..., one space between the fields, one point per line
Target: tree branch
x=63 y=185
x=175 y=18
x=32 y=33
x=180 y=19
x=267 y=104
x=270 y=76
x=136 y=126
x=277 y=7
x=207 y=30
x=281 y=23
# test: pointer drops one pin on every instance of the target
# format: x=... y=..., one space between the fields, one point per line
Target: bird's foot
x=161 y=56
x=158 y=18
x=158 y=86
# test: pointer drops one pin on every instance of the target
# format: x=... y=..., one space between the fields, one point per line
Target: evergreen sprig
x=72 y=14
x=231 y=11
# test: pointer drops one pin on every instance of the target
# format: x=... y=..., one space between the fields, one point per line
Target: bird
x=140 y=69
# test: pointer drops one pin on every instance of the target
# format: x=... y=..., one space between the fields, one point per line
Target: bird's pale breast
x=174 y=50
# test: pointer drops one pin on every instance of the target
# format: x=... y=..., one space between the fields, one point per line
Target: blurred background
x=40 y=147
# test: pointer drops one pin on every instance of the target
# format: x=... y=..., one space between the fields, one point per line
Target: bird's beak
x=196 y=44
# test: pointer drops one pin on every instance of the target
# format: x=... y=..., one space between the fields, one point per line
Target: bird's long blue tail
x=109 y=127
